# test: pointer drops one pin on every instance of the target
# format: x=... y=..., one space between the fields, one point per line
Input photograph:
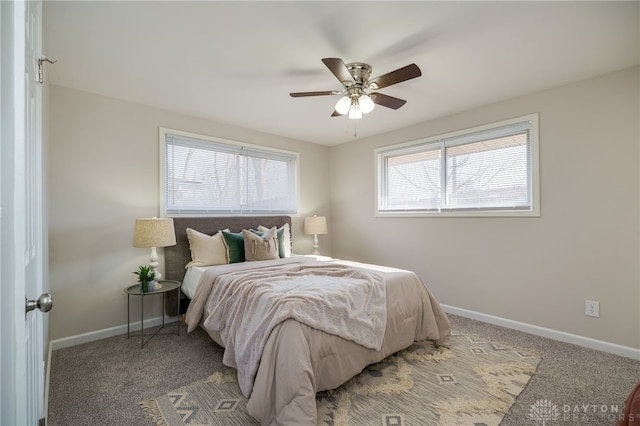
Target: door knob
x=44 y=303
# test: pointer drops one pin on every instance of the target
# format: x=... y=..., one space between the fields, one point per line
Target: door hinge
x=42 y=422
x=40 y=71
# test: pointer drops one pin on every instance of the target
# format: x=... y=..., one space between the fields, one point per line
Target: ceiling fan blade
x=394 y=77
x=323 y=93
x=386 y=100
x=339 y=69
x=337 y=114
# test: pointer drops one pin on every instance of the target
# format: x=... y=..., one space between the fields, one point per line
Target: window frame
x=163 y=132
x=429 y=143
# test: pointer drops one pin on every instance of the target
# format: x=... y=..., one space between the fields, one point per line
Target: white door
x=22 y=230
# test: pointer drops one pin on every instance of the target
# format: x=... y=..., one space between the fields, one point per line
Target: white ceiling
x=236 y=62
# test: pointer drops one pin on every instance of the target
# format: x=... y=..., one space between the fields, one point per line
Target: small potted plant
x=146 y=278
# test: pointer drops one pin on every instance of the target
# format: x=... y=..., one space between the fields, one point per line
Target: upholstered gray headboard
x=176 y=257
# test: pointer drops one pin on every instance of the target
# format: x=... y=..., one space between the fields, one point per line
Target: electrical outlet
x=592 y=308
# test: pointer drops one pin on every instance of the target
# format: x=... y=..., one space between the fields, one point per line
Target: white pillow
x=206 y=250
x=261 y=247
x=286 y=237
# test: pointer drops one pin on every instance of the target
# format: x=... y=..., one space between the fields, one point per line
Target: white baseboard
x=107 y=332
x=547 y=332
x=47 y=378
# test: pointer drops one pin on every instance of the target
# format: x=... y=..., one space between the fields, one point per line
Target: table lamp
x=314 y=226
x=154 y=232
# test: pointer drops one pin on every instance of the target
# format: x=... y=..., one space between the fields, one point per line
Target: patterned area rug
x=472 y=383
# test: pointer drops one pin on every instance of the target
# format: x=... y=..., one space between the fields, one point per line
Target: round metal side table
x=162 y=287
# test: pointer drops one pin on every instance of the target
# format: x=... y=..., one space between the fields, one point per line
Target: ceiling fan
x=359 y=92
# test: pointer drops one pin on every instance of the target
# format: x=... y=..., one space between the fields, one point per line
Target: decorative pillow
x=206 y=250
x=284 y=239
x=260 y=247
x=234 y=243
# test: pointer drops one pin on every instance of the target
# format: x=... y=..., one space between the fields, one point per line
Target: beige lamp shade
x=316 y=225
x=154 y=232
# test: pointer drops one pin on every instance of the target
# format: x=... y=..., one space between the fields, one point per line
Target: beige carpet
x=472 y=383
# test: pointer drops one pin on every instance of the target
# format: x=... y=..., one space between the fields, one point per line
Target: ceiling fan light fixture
x=355 y=113
x=343 y=105
x=366 y=104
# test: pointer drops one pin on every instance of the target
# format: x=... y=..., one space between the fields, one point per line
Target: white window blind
x=487 y=169
x=203 y=175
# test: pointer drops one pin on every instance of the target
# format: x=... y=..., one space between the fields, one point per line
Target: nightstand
x=163 y=287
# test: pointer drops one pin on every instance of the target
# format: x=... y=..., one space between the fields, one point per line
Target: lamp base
x=153 y=264
x=315 y=245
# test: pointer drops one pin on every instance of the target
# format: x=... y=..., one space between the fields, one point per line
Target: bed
x=284 y=347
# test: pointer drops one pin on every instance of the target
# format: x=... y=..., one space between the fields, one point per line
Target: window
x=485 y=171
x=205 y=175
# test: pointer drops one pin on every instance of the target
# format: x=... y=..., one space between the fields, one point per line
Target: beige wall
x=539 y=271
x=103 y=174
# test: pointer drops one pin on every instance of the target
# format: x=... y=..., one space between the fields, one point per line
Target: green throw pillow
x=235 y=246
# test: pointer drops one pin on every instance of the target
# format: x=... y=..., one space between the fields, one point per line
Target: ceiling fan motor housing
x=360 y=73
